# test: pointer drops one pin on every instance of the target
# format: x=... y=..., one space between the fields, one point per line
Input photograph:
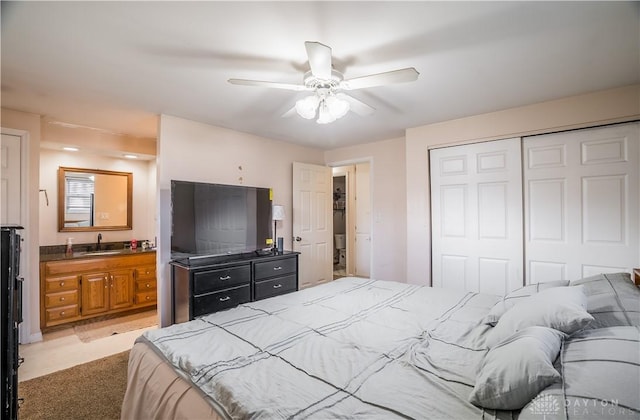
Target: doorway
x=339 y=226
x=351 y=220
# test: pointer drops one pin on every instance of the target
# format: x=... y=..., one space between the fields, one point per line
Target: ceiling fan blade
x=319 y=59
x=356 y=106
x=396 y=76
x=273 y=85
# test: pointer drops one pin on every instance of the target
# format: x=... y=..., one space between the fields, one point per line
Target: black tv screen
x=215 y=219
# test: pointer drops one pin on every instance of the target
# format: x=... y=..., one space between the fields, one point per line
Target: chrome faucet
x=99 y=239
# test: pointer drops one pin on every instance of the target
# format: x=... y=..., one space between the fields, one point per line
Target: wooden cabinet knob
x=61 y=284
x=148 y=298
x=62 y=299
x=62 y=313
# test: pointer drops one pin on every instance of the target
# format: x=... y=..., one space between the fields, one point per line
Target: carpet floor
x=93 y=390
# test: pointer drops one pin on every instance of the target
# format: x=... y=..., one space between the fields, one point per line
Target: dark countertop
x=60 y=256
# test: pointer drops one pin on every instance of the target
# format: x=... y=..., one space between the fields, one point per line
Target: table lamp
x=278 y=214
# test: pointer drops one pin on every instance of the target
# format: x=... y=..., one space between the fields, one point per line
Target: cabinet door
x=121 y=289
x=95 y=293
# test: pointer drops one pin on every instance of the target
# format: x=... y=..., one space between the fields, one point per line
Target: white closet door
x=476 y=207
x=581 y=203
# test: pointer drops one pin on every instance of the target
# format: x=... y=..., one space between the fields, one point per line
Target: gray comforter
x=354 y=348
x=365 y=349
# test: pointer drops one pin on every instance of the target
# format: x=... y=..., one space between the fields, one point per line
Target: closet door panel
x=581 y=202
x=476 y=206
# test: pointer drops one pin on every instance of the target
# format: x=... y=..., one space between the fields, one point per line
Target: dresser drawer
x=57 y=284
x=212 y=280
x=146 y=272
x=53 y=300
x=146 y=285
x=64 y=313
x=268 y=269
x=218 y=301
x=146 y=297
x=274 y=287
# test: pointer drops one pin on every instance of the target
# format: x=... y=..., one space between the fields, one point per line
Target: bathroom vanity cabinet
x=74 y=289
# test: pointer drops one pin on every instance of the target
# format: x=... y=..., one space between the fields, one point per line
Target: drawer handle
x=148 y=298
x=62 y=313
x=147 y=272
x=61 y=284
x=62 y=299
x=148 y=285
x=277 y=286
x=224 y=299
x=225 y=278
x=277 y=268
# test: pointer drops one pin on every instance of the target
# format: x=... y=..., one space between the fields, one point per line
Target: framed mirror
x=93 y=199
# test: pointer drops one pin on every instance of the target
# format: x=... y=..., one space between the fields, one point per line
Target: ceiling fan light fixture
x=337 y=107
x=324 y=114
x=306 y=107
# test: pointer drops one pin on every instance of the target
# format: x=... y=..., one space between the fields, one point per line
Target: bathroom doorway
x=339 y=226
x=351 y=220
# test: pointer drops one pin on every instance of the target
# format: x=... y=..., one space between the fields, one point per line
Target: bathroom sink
x=117 y=251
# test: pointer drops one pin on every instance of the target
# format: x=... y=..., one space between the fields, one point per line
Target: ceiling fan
x=328 y=100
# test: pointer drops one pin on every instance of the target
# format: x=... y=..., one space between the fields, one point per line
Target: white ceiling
x=117 y=65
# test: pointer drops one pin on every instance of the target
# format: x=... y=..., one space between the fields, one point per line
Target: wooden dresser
x=80 y=288
x=211 y=286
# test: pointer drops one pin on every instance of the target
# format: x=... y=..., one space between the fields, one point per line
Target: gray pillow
x=612 y=299
x=516 y=296
x=600 y=378
x=561 y=308
x=516 y=370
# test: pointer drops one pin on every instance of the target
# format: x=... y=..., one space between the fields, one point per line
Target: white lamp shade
x=324 y=115
x=278 y=212
x=337 y=107
x=306 y=107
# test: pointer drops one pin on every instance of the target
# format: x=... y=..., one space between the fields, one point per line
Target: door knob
x=298 y=239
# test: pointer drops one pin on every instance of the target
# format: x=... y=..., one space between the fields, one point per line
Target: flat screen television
x=209 y=220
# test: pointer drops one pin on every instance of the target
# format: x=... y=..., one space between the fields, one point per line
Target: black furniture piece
x=11 y=309
x=205 y=285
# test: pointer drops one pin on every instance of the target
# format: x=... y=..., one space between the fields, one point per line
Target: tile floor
x=63 y=349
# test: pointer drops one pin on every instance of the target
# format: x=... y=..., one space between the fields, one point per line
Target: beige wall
x=615 y=105
x=193 y=151
x=29 y=123
x=388 y=211
x=143 y=196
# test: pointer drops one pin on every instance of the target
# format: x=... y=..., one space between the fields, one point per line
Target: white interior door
x=313 y=223
x=476 y=208
x=363 y=220
x=10 y=179
x=581 y=202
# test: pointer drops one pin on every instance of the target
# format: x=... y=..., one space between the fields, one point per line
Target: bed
x=369 y=349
